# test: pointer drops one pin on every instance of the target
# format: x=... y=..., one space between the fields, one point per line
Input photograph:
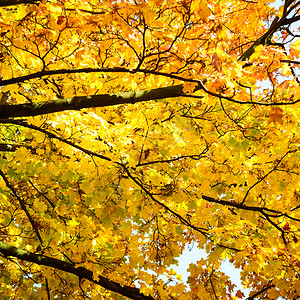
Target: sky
x=193 y=254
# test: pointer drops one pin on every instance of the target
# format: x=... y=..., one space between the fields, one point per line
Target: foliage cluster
x=131 y=129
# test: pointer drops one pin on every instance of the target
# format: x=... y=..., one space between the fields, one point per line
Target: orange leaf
x=189 y=87
x=275 y=115
x=215 y=61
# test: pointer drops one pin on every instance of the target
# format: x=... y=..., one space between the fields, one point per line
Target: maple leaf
x=200 y=8
x=286 y=227
x=189 y=87
x=215 y=62
x=275 y=115
x=295 y=47
x=239 y=294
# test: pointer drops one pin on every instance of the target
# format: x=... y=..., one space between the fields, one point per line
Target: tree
x=130 y=129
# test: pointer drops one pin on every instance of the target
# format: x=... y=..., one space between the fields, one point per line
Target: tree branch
x=240 y=205
x=131 y=97
x=17 y=2
x=23 y=206
x=42 y=260
x=53 y=136
x=260 y=292
x=263 y=210
x=79 y=102
x=89 y=70
x=9 y=147
x=265 y=39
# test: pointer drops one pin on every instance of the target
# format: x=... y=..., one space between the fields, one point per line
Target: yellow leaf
x=257 y=52
x=280 y=11
x=40 y=206
x=200 y=8
x=286 y=70
x=73 y=223
x=295 y=47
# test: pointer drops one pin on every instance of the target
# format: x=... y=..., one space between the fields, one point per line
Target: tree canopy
x=132 y=129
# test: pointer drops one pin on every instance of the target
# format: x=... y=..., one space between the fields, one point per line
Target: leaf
x=257 y=52
x=40 y=206
x=73 y=222
x=215 y=62
x=189 y=87
x=200 y=8
x=275 y=115
x=296 y=48
x=286 y=70
x=286 y=227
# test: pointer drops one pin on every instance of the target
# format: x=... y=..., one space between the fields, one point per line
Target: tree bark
x=79 y=102
x=17 y=2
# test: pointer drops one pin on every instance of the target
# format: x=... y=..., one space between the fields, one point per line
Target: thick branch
x=79 y=102
x=131 y=97
x=4 y=147
x=17 y=2
x=264 y=39
x=42 y=260
x=9 y=147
